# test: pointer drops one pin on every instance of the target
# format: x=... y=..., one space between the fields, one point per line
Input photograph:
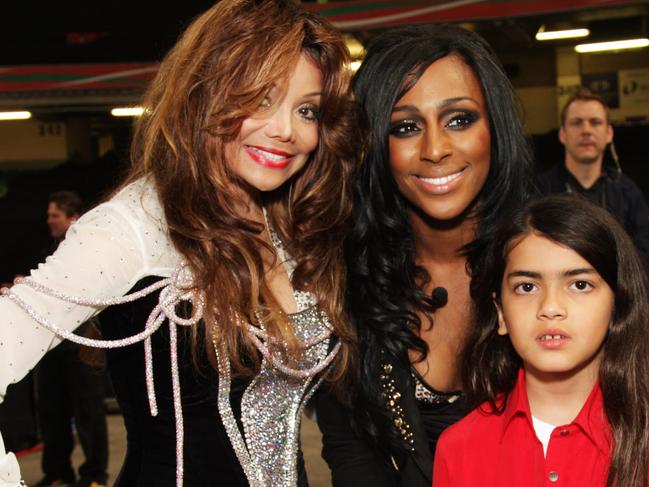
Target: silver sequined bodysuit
x=272 y=404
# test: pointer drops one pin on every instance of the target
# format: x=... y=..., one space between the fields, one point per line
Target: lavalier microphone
x=439 y=297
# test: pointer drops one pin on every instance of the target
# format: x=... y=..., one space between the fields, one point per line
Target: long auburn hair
x=384 y=281
x=491 y=365
x=215 y=76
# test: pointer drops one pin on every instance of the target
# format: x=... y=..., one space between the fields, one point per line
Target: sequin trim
x=175 y=289
x=252 y=473
x=261 y=469
x=270 y=404
x=273 y=402
x=303 y=299
x=426 y=394
x=267 y=456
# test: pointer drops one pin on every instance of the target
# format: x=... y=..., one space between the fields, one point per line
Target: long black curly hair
x=383 y=293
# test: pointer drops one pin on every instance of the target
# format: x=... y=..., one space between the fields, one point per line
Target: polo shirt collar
x=591 y=419
x=516 y=403
x=593 y=422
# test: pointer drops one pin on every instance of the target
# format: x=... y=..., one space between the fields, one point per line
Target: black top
x=438 y=410
x=438 y=417
x=353 y=460
x=151 y=441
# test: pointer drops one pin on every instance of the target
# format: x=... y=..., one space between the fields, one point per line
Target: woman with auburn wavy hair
x=217 y=263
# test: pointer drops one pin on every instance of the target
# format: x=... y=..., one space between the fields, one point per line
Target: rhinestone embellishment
x=424 y=394
x=175 y=289
x=272 y=404
x=392 y=397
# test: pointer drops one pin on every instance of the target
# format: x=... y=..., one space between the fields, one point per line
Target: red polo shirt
x=486 y=449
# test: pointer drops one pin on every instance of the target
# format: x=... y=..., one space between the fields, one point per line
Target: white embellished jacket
x=103 y=255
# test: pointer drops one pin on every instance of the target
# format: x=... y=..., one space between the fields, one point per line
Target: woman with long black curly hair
x=446 y=155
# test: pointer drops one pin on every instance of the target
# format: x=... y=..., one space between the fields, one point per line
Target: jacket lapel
x=418 y=467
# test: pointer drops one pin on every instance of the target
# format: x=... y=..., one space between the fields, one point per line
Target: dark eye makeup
x=309 y=112
x=453 y=120
x=459 y=120
x=404 y=127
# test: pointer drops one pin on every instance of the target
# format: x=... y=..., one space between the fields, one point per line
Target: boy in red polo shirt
x=559 y=361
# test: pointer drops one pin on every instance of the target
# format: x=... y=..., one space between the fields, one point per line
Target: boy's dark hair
x=490 y=363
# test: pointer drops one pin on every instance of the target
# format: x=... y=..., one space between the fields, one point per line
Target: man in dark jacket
x=69 y=386
x=585 y=132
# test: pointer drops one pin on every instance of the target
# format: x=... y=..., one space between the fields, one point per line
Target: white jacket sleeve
x=9 y=470
x=102 y=256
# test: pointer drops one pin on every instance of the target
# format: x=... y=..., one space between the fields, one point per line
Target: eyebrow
x=567 y=273
x=581 y=119
x=443 y=104
x=577 y=272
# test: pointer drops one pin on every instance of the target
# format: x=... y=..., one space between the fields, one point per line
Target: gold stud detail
x=392 y=396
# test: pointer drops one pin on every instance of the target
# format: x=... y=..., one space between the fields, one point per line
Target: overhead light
x=17 y=115
x=127 y=111
x=551 y=35
x=613 y=45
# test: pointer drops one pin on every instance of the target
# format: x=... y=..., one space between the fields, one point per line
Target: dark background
x=94 y=32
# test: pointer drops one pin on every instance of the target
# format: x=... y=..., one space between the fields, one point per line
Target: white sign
x=634 y=90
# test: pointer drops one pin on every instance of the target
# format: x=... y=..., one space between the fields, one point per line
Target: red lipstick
x=269 y=157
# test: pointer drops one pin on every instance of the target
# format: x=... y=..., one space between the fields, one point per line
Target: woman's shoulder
x=135 y=207
x=134 y=216
x=139 y=200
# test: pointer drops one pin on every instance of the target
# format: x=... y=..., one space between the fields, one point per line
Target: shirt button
x=564 y=432
x=553 y=476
